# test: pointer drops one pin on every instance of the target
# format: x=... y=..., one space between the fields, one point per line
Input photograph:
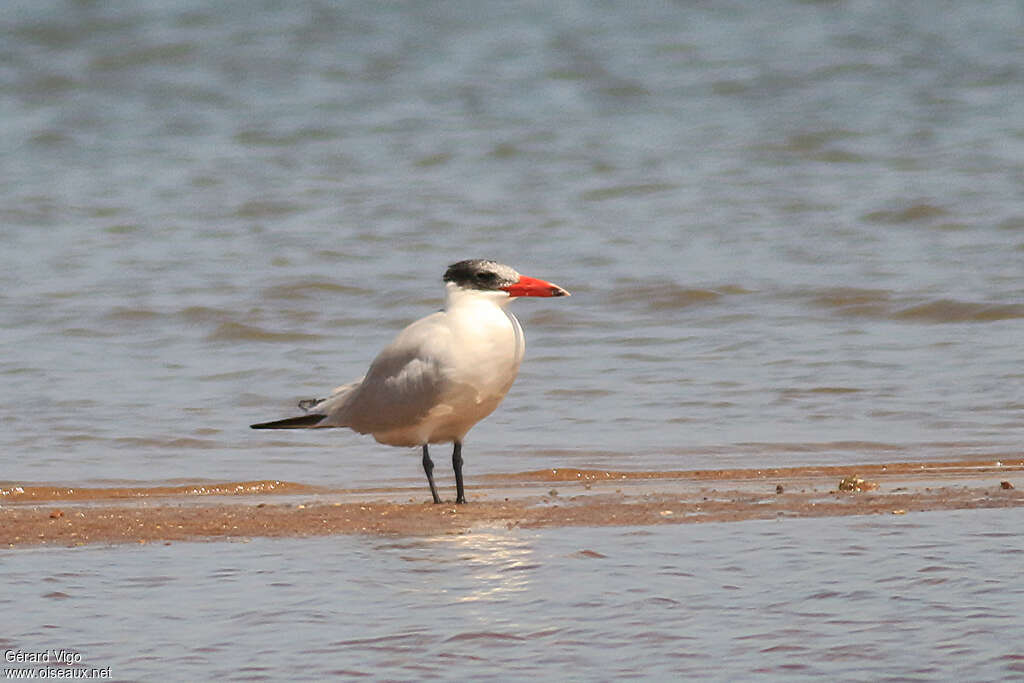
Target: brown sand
x=69 y=516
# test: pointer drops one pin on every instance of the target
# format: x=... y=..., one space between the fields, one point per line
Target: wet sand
x=71 y=516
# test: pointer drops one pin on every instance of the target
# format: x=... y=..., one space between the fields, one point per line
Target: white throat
x=455 y=296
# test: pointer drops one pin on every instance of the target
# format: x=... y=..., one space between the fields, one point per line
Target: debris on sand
x=855 y=483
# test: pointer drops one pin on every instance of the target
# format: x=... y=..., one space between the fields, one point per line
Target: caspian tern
x=442 y=374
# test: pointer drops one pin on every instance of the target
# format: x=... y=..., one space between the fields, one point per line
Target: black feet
x=428 y=467
x=460 y=493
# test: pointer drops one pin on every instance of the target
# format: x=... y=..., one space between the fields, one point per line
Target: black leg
x=428 y=467
x=460 y=496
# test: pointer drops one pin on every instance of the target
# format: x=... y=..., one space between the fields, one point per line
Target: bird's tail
x=300 y=422
x=323 y=407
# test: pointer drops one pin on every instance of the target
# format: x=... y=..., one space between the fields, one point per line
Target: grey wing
x=404 y=383
x=398 y=391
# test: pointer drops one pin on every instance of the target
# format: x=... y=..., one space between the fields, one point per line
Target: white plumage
x=442 y=374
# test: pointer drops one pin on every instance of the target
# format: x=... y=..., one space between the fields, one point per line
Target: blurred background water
x=794 y=230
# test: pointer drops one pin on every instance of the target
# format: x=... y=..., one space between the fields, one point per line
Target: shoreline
x=66 y=516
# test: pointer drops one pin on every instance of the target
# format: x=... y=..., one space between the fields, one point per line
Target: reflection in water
x=491 y=564
x=499 y=563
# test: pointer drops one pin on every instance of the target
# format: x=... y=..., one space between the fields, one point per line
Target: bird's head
x=491 y=276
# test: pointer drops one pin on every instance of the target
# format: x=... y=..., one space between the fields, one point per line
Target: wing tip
x=291 y=422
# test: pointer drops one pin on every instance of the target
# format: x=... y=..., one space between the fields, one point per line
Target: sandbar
x=67 y=516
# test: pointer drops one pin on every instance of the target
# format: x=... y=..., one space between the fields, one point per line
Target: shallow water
x=930 y=596
x=793 y=230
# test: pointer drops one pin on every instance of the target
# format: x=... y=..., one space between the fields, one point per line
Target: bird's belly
x=450 y=419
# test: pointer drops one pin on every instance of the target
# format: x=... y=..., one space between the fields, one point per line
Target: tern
x=442 y=374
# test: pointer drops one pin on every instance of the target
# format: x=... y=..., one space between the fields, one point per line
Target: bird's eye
x=487 y=277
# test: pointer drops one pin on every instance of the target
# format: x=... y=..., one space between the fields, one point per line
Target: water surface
x=793 y=230
x=929 y=596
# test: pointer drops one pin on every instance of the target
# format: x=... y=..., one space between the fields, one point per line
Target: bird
x=442 y=374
